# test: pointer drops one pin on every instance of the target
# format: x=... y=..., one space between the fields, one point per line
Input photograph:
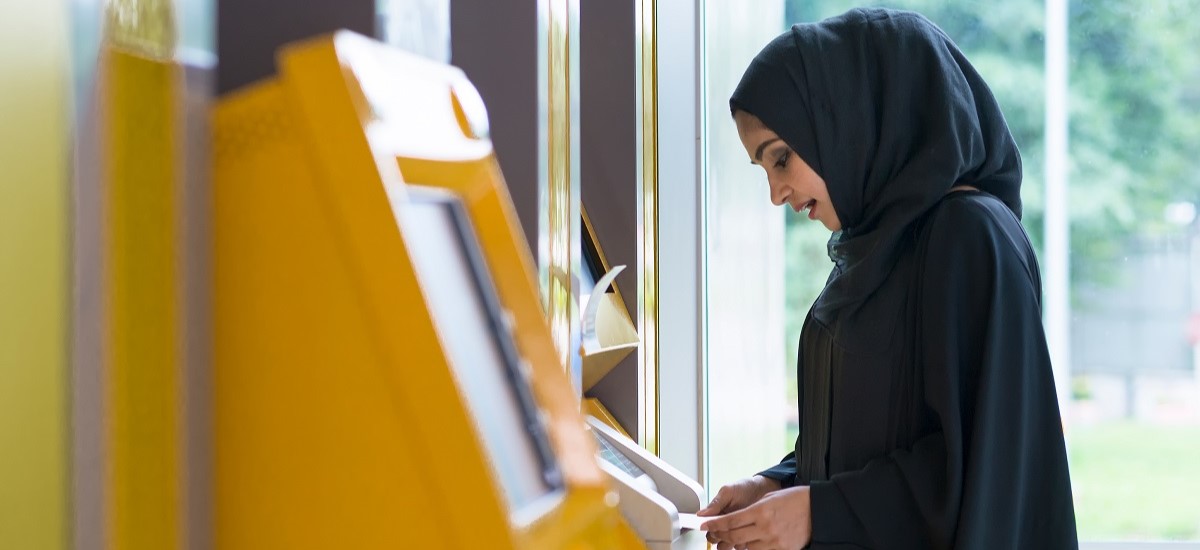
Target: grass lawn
x=1133 y=481
x=1136 y=481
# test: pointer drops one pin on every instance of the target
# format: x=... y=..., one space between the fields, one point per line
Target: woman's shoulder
x=969 y=214
x=968 y=207
x=970 y=220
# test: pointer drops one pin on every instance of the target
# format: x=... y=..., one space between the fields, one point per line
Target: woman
x=928 y=413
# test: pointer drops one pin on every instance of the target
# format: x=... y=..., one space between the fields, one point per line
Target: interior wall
x=608 y=145
x=34 y=275
x=495 y=43
x=250 y=31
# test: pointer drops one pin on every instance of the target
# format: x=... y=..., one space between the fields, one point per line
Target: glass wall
x=1131 y=270
x=745 y=343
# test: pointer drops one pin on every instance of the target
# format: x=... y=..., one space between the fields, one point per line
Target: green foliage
x=1081 y=388
x=1134 y=108
x=1134 y=117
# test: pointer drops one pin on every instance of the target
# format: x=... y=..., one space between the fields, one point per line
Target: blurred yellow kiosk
x=370 y=391
x=652 y=493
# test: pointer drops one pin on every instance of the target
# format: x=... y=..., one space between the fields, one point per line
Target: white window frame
x=682 y=373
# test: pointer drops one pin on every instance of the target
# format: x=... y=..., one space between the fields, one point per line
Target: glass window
x=746 y=346
x=197 y=20
x=1131 y=298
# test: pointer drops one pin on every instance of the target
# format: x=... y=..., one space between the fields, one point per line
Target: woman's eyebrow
x=758 y=152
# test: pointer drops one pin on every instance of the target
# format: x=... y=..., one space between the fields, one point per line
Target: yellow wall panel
x=33 y=276
x=144 y=442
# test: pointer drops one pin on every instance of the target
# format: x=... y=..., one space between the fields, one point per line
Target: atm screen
x=463 y=303
x=593 y=268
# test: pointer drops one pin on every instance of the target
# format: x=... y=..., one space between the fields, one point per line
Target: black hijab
x=888 y=111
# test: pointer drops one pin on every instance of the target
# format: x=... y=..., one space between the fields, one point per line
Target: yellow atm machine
x=370 y=388
x=652 y=493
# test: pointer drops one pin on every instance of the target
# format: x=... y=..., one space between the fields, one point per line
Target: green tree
x=1135 y=107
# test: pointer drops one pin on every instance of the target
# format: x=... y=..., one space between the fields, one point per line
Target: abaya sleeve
x=784 y=472
x=985 y=372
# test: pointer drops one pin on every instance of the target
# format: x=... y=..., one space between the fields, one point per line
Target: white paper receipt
x=692 y=521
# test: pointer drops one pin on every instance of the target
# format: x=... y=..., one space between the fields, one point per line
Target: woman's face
x=791 y=180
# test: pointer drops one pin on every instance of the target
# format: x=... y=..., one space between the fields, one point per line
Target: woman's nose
x=779 y=194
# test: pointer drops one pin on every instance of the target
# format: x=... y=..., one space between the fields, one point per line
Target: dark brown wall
x=608 y=133
x=250 y=31
x=495 y=43
x=608 y=169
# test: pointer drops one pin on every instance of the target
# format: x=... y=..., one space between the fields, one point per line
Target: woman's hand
x=738 y=495
x=781 y=520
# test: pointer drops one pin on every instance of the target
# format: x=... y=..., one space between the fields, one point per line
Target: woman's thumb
x=714 y=507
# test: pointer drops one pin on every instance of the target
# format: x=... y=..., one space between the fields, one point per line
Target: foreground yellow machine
x=652 y=493
x=369 y=389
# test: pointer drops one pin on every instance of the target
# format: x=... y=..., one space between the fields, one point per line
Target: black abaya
x=947 y=435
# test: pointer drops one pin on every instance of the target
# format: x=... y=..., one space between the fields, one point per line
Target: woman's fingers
x=718 y=503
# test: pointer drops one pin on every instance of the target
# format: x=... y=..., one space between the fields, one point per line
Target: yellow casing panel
x=35 y=286
x=337 y=422
x=144 y=441
x=593 y=407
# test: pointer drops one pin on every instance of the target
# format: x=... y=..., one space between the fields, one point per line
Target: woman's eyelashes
x=781 y=161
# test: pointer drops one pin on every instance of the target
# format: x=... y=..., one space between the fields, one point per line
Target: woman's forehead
x=755 y=139
x=751 y=127
x=747 y=120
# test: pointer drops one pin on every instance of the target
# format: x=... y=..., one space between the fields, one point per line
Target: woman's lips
x=809 y=205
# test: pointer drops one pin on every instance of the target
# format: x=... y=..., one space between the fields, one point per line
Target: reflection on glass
x=418 y=26
x=197 y=21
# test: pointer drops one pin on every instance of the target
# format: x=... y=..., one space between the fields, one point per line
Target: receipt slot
x=652 y=492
